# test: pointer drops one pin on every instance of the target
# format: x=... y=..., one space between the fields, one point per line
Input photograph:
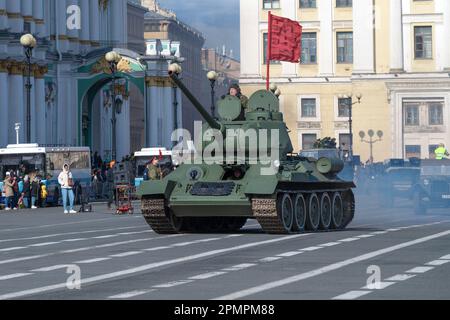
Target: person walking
x=110 y=184
x=65 y=180
x=26 y=192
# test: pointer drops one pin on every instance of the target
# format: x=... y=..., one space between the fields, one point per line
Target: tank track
x=154 y=212
x=265 y=212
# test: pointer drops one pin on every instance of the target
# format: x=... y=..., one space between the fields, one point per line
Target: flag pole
x=269 y=51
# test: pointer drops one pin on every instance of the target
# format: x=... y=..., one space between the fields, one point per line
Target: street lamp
x=212 y=77
x=29 y=43
x=371 y=141
x=17 y=128
x=349 y=98
x=113 y=58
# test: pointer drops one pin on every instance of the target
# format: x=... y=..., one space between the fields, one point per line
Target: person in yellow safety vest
x=441 y=152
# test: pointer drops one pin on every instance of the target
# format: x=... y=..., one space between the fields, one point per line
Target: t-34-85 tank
x=257 y=179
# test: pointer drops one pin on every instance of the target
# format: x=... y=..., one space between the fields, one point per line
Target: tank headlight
x=175 y=162
x=277 y=164
x=426 y=182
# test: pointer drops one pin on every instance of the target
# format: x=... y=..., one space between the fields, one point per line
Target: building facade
x=395 y=53
x=71 y=94
x=163 y=25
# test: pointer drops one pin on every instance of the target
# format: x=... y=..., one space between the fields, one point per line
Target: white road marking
x=67 y=233
x=401 y=277
x=131 y=294
x=352 y=295
x=365 y=236
x=335 y=266
x=51 y=268
x=106 y=237
x=74 y=240
x=310 y=249
x=289 y=254
x=14 y=276
x=172 y=284
x=349 y=240
x=269 y=259
x=330 y=244
x=44 y=244
x=11 y=249
x=378 y=285
x=437 y=262
x=379 y=232
x=393 y=229
x=147 y=267
x=447 y=257
x=92 y=260
x=240 y=267
x=125 y=254
x=207 y=275
x=156 y=248
x=420 y=270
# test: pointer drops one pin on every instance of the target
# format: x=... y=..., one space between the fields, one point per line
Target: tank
x=259 y=179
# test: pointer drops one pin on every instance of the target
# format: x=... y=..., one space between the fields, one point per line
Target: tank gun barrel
x=208 y=118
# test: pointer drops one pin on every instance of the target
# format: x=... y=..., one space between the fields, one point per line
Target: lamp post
x=29 y=43
x=350 y=105
x=371 y=141
x=17 y=128
x=113 y=58
x=212 y=77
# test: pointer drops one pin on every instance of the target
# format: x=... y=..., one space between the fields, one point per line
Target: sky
x=218 y=20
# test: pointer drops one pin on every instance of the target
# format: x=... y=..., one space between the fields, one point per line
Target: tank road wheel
x=325 y=212
x=156 y=214
x=234 y=224
x=286 y=211
x=338 y=211
x=299 y=213
x=313 y=216
x=179 y=224
x=420 y=207
x=348 y=200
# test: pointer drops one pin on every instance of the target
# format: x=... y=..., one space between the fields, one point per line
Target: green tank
x=260 y=180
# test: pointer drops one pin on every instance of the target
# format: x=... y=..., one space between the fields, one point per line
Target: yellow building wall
x=382 y=39
x=264 y=13
x=308 y=14
x=422 y=7
x=342 y=14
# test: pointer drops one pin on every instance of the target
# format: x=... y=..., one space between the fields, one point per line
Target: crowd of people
x=24 y=192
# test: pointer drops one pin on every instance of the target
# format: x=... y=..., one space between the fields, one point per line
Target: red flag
x=286 y=39
x=160 y=155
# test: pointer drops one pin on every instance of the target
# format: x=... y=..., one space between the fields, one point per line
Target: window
x=307 y=3
x=344 y=47
x=266 y=40
x=344 y=3
x=435 y=115
x=309 y=48
x=413 y=151
x=411 y=114
x=344 y=141
x=423 y=42
x=308 y=108
x=344 y=107
x=271 y=4
x=308 y=141
x=431 y=150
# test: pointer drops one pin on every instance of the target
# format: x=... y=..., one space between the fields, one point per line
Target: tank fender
x=262 y=185
x=156 y=188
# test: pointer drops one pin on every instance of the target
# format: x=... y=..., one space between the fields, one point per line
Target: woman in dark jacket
x=35 y=188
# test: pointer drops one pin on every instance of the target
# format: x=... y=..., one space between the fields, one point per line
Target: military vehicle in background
x=433 y=188
x=287 y=194
x=397 y=180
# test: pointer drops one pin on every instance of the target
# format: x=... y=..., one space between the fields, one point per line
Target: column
x=39 y=93
x=289 y=10
x=4 y=119
x=38 y=14
x=154 y=115
x=94 y=22
x=61 y=24
x=33 y=111
x=148 y=114
x=326 y=53
x=27 y=13
x=73 y=34
x=123 y=131
x=85 y=24
x=16 y=112
x=62 y=104
x=442 y=34
x=118 y=22
x=3 y=15
x=363 y=36
x=169 y=115
x=396 y=36
x=15 y=20
x=251 y=39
